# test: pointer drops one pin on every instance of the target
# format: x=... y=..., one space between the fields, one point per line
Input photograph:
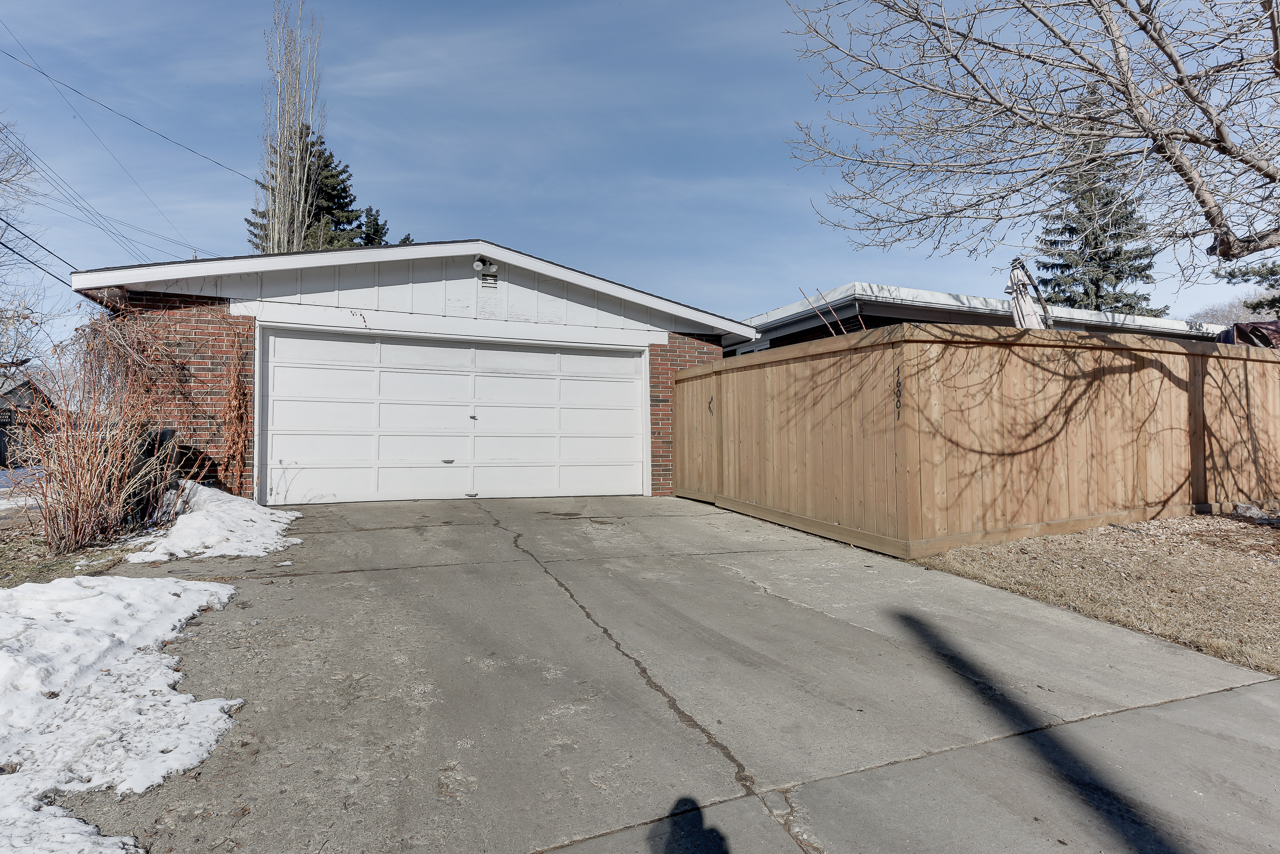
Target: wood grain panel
x=997 y=434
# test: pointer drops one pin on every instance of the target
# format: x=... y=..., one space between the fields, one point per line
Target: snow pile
x=87 y=700
x=217 y=524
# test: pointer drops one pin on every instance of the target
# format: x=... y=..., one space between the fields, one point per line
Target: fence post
x=718 y=398
x=1196 y=431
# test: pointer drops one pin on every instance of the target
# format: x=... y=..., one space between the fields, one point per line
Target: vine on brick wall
x=235 y=420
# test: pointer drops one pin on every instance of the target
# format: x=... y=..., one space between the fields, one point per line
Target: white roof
x=138 y=275
x=979 y=305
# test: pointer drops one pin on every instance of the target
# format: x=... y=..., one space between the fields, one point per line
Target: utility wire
x=94 y=132
x=32 y=263
x=56 y=201
x=73 y=198
x=37 y=243
x=159 y=249
x=123 y=116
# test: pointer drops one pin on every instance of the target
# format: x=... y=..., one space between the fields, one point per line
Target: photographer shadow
x=683 y=831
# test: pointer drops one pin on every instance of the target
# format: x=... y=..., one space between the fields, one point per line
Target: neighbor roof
x=968 y=309
x=140 y=274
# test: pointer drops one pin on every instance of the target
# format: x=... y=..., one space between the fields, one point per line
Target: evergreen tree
x=1265 y=275
x=1091 y=260
x=335 y=222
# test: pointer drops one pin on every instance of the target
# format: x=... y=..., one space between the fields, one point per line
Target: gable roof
x=138 y=275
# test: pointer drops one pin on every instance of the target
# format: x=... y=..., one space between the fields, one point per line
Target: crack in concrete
x=303 y=531
x=793 y=823
x=323 y=573
x=678 y=554
x=984 y=687
x=741 y=775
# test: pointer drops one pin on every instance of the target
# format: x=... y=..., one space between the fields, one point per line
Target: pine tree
x=1092 y=261
x=1265 y=275
x=334 y=222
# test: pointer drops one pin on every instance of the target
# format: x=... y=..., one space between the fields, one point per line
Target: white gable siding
x=437 y=287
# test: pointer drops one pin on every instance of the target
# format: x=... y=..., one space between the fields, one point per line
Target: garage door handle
x=473 y=418
x=446 y=462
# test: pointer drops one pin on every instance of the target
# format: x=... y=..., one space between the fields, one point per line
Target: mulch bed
x=1208 y=582
x=24 y=556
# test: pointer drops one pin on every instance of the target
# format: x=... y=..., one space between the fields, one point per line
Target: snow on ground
x=87 y=700
x=7 y=502
x=216 y=524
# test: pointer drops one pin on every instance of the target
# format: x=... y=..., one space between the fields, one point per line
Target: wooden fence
x=914 y=439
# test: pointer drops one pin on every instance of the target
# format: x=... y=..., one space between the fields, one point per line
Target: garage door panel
x=600 y=364
x=422 y=385
x=423 y=482
x=307 y=348
x=515 y=480
x=423 y=417
x=526 y=419
x=424 y=449
x=600 y=448
x=613 y=479
x=425 y=355
x=320 y=447
x=599 y=392
x=516 y=389
x=320 y=484
x=343 y=383
x=516 y=447
x=308 y=414
x=599 y=420
x=359 y=417
x=512 y=359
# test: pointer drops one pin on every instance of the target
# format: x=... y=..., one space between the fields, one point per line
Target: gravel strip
x=1208 y=582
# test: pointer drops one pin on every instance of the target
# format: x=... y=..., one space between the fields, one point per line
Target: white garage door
x=372 y=418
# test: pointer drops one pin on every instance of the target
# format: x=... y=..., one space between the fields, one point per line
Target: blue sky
x=645 y=143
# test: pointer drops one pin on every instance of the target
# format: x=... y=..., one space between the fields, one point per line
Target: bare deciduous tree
x=27 y=309
x=1234 y=310
x=289 y=183
x=963 y=115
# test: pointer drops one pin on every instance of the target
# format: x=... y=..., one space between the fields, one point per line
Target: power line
x=32 y=263
x=130 y=239
x=95 y=133
x=123 y=116
x=156 y=234
x=73 y=198
x=37 y=243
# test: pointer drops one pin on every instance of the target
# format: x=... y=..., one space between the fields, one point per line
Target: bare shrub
x=105 y=467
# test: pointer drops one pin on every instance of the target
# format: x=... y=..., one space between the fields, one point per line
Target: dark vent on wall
x=490 y=279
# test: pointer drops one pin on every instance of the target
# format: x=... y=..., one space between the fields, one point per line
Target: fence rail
x=914 y=439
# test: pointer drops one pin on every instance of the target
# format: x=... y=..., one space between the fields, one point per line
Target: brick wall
x=207 y=341
x=680 y=351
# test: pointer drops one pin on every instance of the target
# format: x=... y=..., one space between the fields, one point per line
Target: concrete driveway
x=528 y=675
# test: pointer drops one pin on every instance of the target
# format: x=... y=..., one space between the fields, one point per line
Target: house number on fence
x=897 y=393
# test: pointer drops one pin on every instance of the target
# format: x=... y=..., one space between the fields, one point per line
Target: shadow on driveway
x=683 y=831
x=1087 y=784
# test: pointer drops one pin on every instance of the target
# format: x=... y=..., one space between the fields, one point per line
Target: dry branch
x=964 y=115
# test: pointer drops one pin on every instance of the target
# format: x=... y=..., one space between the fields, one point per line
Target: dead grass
x=1208 y=582
x=25 y=557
